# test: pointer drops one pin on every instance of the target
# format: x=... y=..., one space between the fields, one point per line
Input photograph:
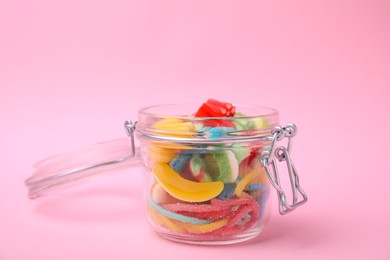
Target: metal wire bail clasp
x=282 y=153
x=129 y=128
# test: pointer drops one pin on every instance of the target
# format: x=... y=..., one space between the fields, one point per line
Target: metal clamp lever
x=282 y=153
x=130 y=128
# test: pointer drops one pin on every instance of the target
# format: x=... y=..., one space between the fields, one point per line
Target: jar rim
x=149 y=116
x=154 y=111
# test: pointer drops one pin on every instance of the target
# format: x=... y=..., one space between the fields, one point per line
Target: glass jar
x=208 y=178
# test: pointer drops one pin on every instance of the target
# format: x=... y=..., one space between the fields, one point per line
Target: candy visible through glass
x=205 y=192
x=208 y=170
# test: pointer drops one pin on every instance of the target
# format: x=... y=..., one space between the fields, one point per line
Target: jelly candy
x=184 y=189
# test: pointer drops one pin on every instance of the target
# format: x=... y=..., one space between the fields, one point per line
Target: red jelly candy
x=226 y=109
x=214 y=108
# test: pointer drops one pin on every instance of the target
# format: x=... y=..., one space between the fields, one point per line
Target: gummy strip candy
x=242 y=212
x=226 y=208
x=263 y=202
x=204 y=228
x=239 y=214
x=162 y=220
x=210 y=215
x=257 y=186
x=176 y=216
x=215 y=206
x=177 y=207
x=241 y=185
x=240 y=223
x=183 y=227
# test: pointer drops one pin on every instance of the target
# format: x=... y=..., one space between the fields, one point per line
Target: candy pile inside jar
x=209 y=189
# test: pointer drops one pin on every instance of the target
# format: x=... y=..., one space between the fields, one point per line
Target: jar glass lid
x=66 y=169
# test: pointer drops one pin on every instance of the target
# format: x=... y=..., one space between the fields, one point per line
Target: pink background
x=72 y=71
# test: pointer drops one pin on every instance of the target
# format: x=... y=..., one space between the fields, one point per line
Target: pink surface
x=72 y=71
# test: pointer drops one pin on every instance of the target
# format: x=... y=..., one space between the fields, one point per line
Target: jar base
x=213 y=241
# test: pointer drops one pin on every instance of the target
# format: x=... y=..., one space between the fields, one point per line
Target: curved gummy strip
x=212 y=215
x=204 y=228
x=227 y=231
x=193 y=207
x=161 y=220
x=183 y=227
x=176 y=216
x=235 y=226
x=263 y=202
x=171 y=225
x=154 y=215
x=241 y=185
x=257 y=186
x=238 y=215
x=232 y=202
x=244 y=210
x=216 y=205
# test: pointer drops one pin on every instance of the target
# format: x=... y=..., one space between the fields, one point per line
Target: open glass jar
x=208 y=178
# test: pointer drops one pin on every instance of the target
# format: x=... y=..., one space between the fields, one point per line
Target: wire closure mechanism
x=282 y=153
x=130 y=128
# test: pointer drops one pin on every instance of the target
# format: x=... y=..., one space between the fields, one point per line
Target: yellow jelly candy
x=165 y=152
x=184 y=189
x=175 y=127
x=160 y=154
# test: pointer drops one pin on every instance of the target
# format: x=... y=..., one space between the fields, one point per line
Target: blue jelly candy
x=228 y=191
x=179 y=162
x=218 y=132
